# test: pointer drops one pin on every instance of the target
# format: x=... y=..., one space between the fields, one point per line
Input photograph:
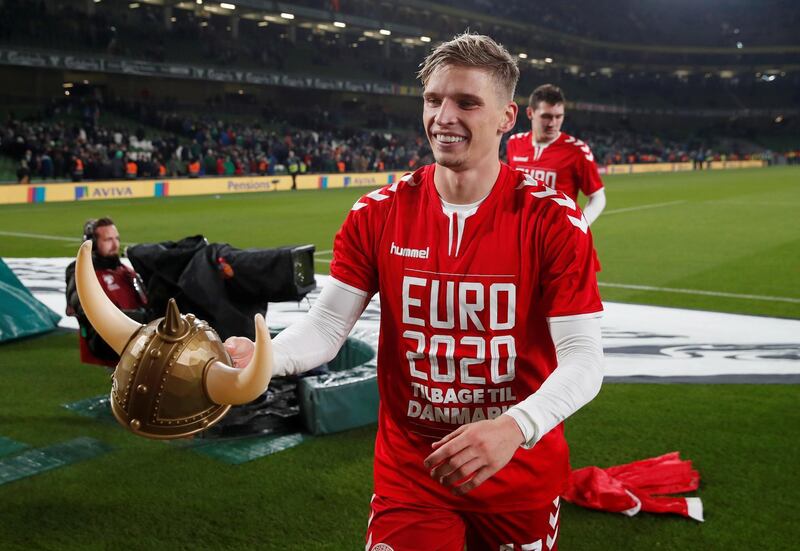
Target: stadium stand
x=108 y=81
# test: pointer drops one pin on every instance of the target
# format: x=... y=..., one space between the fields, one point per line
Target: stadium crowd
x=198 y=146
x=178 y=144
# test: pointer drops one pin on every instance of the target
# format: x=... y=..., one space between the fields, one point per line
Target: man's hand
x=240 y=349
x=468 y=456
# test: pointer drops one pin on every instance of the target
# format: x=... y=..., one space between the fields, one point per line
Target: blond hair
x=474 y=50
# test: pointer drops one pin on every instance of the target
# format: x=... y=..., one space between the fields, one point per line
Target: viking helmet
x=174 y=377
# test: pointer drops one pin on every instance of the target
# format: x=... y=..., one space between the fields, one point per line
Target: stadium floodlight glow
x=339 y=24
x=86 y=81
x=134 y=5
x=262 y=23
x=289 y=16
x=548 y=60
x=523 y=55
x=779 y=119
x=67 y=85
x=97 y=1
x=385 y=32
x=66 y=92
x=425 y=38
x=199 y=2
x=739 y=45
x=204 y=23
x=173 y=19
x=226 y=6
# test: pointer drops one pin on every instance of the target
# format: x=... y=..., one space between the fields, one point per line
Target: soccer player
x=490 y=333
x=559 y=160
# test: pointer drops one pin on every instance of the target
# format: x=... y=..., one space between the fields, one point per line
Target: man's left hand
x=468 y=456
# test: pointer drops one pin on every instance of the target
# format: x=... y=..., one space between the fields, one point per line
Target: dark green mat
x=96 y=407
x=9 y=446
x=39 y=460
x=228 y=450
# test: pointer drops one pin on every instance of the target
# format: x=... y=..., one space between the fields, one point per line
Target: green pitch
x=726 y=241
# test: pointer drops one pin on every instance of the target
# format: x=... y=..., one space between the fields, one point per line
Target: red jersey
x=567 y=164
x=464 y=334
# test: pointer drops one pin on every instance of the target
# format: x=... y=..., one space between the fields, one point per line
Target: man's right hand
x=240 y=349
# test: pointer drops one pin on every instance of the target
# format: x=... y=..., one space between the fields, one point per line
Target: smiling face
x=546 y=120
x=465 y=116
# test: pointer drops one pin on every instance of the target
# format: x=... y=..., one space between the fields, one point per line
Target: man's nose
x=447 y=112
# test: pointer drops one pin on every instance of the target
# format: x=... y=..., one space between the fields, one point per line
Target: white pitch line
x=642 y=207
x=320 y=253
x=700 y=292
x=40 y=236
x=323 y=260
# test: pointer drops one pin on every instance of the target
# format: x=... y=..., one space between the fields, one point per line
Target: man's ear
x=529 y=112
x=509 y=117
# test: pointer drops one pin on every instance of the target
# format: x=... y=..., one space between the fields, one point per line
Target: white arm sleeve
x=573 y=384
x=317 y=337
x=595 y=205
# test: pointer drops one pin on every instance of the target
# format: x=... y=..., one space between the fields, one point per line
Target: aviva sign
x=102 y=192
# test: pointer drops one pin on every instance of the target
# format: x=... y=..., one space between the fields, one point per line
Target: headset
x=89 y=228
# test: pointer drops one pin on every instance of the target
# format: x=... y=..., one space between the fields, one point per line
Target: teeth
x=449 y=139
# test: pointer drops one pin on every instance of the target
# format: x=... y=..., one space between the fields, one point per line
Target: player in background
x=490 y=333
x=555 y=158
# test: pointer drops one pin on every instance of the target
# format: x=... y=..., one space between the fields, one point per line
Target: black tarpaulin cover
x=221 y=284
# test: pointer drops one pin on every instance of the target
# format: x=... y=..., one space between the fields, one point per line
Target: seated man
x=120 y=283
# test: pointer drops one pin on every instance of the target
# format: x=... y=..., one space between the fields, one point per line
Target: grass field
x=724 y=241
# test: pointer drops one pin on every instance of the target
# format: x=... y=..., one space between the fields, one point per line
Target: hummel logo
x=410 y=253
x=518 y=159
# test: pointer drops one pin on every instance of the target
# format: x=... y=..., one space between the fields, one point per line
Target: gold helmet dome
x=174 y=377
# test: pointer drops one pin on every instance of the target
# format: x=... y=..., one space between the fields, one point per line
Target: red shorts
x=396 y=526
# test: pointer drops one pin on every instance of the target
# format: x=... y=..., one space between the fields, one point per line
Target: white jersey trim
x=592 y=315
x=346 y=287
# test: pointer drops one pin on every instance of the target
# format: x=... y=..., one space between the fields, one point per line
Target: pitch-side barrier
x=137 y=189
x=642 y=168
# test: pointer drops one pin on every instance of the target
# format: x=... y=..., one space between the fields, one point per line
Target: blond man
x=490 y=335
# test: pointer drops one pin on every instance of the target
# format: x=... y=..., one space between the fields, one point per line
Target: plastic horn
x=228 y=385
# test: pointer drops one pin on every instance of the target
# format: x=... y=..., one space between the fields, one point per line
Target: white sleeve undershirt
x=595 y=205
x=319 y=335
x=574 y=383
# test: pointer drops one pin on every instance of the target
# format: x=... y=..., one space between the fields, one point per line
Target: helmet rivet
x=155 y=353
x=141 y=389
x=135 y=424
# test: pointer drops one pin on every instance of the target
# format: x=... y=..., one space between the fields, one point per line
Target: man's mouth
x=448 y=138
